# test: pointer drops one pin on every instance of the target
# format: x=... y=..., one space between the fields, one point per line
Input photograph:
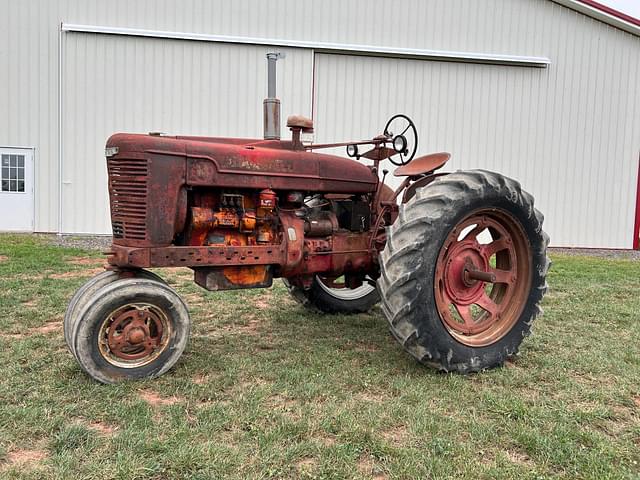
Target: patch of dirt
x=53 y=326
x=396 y=436
x=155 y=400
x=102 y=428
x=251 y=328
x=200 y=379
x=85 y=261
x=325 y=440
x=177 y=276
x=24 y=459
x=636 y=400
x=180 y=272
x=265 y=301
x=306 y=464
x=248 y=384
x=3 y=258
x=280 y=401
x=31 y=303
x=262 y=303
x=511 y=362
x=12 y=336
x=77 y=273
x=367 y=347
x=284 y=405
x=366 y=466
x=518 y=457
x=193 y=299
x=370 y=397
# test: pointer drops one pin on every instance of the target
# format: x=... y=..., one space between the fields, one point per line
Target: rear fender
x=411 y=190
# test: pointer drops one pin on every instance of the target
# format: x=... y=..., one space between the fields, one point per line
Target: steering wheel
x=405 y=142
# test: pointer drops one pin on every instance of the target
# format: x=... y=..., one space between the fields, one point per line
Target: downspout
x=60 y=130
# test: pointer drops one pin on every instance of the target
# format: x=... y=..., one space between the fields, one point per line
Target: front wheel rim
x=482 y=285
x=134 y=335
x=344 y=293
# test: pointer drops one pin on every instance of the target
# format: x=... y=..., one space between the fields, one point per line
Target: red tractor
x=457 y=260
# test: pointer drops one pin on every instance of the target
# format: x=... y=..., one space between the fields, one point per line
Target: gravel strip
x=85 y=242
x=598 y=252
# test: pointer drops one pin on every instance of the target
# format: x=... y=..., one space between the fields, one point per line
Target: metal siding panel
x=496 y=117
x=117 y=84
x=581 y=168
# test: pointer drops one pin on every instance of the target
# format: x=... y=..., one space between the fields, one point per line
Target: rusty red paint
x=423 y=165
x=223 y=207
x=636 y=227
x=480 y=288
x=612 y=11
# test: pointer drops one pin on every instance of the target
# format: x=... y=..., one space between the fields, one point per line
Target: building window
x=12 y=173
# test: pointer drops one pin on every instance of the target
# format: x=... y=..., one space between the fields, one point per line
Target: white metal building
x=545 y=91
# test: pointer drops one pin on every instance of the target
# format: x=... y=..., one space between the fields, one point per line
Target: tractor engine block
x=238 y=219
x=322 y=234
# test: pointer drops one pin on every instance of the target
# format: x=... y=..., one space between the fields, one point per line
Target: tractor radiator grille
x=128 y=194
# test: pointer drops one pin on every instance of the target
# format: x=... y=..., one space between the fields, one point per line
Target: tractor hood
x=244 y=163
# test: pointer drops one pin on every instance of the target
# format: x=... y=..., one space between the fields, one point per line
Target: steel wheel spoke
x=495 y=246
x=465 y=313
x=487 y=304
x=477 y=230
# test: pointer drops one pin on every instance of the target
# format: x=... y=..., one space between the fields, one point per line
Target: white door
x=16 y=189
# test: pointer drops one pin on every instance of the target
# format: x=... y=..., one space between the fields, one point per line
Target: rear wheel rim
x=475 y=309
x=134 y=335
x=341 y=292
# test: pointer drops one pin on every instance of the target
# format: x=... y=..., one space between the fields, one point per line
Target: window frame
x=14 y=168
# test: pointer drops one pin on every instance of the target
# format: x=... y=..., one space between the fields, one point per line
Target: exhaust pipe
x=271 y=105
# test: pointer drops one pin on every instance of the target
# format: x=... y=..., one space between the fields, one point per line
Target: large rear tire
x=322 y=298
x=464 y=271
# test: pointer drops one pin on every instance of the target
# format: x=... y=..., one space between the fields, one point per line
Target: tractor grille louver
x=128 y=193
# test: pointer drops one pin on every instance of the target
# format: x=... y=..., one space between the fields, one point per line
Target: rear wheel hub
x=465 y=256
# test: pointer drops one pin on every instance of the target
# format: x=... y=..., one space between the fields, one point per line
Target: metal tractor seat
x=422 y=165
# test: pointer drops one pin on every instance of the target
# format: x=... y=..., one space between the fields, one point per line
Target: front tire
x=86 y=291
x=464 y=271
x=129 y=329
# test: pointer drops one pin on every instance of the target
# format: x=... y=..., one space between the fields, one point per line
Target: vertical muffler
x=271 y=105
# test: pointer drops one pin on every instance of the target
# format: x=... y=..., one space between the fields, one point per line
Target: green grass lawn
x=268 y=390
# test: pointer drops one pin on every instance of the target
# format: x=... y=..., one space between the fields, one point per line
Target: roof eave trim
x=598 y=14
x=324 y=47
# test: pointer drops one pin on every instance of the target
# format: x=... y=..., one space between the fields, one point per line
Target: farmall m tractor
x=457 y=260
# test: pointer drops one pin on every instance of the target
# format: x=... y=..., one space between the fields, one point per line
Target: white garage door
x=507 y=119
x=128 y=84
x=16 y=189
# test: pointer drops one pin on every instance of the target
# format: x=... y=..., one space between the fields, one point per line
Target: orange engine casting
x=233 y=219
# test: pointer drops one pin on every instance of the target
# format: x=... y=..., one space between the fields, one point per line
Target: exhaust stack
x=271 y=104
